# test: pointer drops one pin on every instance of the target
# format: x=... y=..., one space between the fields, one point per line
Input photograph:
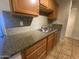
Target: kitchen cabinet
x=56 y=37
x=53 y=15
x=51 y=4
x=50 y=43
x=46 y=5
x=50 y=7
x=37 y=51
x=32 y=7
x=43 y=55
x=41 y=48
x=28 y=7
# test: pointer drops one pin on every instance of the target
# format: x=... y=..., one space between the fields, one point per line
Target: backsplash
x=39 y=21
x=12 y=21
x=35 y=23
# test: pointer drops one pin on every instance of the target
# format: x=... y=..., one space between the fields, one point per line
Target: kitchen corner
x=27 y=29
x=39 y=29
x=17 y=43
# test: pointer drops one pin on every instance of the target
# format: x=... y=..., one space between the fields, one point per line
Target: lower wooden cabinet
x=38 y=51
x=41 y=48
x=36 y=46
x=56 y=37
x=43 y=55
x=50 y=43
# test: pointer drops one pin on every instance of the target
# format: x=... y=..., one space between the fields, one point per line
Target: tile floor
x=68 y=49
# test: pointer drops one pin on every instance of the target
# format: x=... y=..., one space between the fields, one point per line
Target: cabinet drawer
x=34 y=47
x=41 y=49
x=35 y=54
x=43 y=55
x=51 y=36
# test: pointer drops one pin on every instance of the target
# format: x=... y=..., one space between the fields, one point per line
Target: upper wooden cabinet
x=53 y=15
x=29 y=7
x=46 y=5
x=32 y=7
x=51 y=4
x=51 y=7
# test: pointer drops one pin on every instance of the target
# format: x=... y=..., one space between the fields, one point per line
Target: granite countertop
x=16 y=43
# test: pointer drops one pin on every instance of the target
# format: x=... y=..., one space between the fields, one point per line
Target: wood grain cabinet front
x=41 y=48
x=50 y=43
x=29 y=7
x=46 y=5
x=53 y=15
x=43 y=55
x=36 y=51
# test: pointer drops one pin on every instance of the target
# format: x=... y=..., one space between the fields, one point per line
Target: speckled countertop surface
x=16 y=43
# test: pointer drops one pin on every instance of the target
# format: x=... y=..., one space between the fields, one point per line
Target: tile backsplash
x=12 y=21
x=27 y=24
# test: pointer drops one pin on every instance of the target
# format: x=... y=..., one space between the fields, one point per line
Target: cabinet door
x=44 y=3
x=57 y=36
x=43 y=55
x=51 y=4
x=35 y=54
x=44 y=6
x=25 y=6
x=50 y=42
x=54 y=14
x=49 y=45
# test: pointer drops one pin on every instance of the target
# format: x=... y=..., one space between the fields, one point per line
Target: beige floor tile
x=76 y=52
x=68 y=40
x=63 y=56
x=69 y=49
x=55 y=54
x=68 y=44
x=66 y=50
x=56 y=50
x=50 y=57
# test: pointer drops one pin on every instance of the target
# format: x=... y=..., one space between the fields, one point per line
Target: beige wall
x=4 y=5
x=73 y=24
x=75 y=33
x=37 y=22
x=64 y=9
